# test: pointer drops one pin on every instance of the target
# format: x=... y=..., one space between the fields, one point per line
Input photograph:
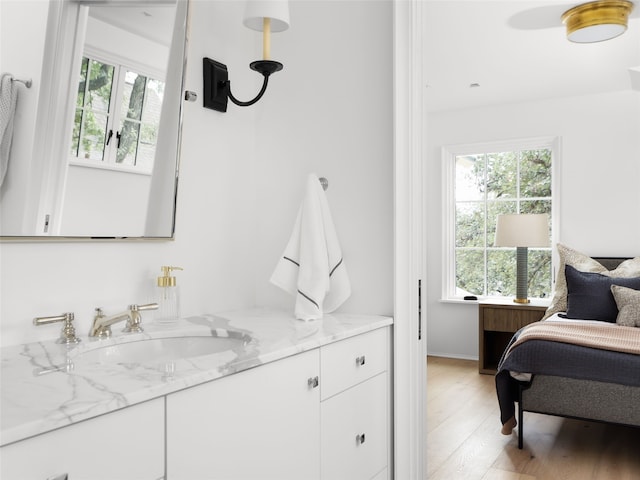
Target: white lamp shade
x=257 y=10
x=523 y=230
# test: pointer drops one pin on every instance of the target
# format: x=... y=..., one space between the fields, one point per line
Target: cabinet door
x=124 y=445
x=262 y=424
x=354 y=432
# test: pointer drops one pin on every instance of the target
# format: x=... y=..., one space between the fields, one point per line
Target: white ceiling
x=151 y=20
x=516 y=50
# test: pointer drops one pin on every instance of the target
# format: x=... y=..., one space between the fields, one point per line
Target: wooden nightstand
x=498 y=321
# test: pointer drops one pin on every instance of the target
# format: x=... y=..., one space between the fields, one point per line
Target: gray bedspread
x=573 y=361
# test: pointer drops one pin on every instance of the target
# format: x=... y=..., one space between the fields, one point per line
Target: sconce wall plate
x=215 y=76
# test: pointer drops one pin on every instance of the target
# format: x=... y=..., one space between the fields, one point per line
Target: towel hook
x=324 y=182
x=27 y=83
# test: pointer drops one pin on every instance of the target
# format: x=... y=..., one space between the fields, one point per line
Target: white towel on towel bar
x=311 y=267
x=8 y=99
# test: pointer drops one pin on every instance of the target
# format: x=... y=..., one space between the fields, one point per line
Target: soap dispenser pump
x=168 y=297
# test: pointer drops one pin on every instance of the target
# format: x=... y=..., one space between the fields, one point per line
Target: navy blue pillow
x=589 y=294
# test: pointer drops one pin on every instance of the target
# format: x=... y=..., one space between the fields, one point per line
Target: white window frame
x=121 y=65
x=449 y=154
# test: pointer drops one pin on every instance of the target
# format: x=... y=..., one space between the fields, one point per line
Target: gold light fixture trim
x=597 y=21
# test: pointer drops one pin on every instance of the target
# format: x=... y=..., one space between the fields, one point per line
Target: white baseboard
x=452 y=355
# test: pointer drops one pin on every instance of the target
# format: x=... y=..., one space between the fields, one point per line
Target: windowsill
x=111 y=167
x=542 y=302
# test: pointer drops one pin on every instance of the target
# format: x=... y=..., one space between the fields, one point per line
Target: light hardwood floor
x=464 y=440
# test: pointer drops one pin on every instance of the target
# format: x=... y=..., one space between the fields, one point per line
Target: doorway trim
x=409 y=311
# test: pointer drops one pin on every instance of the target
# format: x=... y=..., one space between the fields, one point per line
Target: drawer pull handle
x=360 y=361
x=63 y=476
x=360 y=439
x=313 y=382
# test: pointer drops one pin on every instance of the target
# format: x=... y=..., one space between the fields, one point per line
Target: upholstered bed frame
x=597 y=401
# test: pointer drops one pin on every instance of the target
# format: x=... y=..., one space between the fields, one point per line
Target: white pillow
x=628 y=302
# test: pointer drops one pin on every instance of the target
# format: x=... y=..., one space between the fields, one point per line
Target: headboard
x=610 y=263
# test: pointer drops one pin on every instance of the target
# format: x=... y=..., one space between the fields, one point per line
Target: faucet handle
x=148 y=306
x=68 y=334
x=134 y=324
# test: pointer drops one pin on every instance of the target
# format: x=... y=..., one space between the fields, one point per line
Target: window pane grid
x=486 y=185
x=117 y=115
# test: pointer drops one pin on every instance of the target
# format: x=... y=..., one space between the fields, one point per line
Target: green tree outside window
x=486 y=185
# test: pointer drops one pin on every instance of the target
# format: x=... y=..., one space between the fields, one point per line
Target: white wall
x=337 y=119
x=241 y=175
x=599 y=187
x=104 y=202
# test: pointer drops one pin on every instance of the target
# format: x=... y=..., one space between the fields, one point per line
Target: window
x=116 y=117
x=483 y=181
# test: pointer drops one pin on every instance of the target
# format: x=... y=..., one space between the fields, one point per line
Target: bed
x=597 y=381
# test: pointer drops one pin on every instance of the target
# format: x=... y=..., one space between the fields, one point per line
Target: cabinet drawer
x=354 y=432
x=508 y=320
x=351 y=361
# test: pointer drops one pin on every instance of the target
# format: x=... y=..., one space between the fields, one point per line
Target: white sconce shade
x=524 y=230
x=264 y=16
x=257 y=10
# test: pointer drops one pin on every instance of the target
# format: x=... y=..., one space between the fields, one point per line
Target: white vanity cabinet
x=127 y=444
x=355 y=414
x=275 y=422
x=262 y=423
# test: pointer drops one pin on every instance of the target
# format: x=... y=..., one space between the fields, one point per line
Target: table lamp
x=522 y=231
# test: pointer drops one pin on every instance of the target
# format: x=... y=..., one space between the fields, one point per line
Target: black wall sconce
x=262 y=15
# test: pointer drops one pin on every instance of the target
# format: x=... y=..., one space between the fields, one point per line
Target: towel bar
x=26 y=83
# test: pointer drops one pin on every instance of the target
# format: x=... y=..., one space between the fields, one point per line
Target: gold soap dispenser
x=167 y=297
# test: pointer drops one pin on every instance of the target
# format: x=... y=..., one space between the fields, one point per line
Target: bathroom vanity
x=283 y=399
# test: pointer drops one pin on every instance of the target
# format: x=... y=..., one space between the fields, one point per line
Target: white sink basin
x=160 y=350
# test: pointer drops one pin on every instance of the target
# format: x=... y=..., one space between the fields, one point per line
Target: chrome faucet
x=101 y=326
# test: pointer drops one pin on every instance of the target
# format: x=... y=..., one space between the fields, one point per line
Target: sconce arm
x=264 y=67
x=217 y=86
x=250 y=102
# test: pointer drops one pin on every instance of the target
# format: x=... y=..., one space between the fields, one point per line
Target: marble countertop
x=46 y=385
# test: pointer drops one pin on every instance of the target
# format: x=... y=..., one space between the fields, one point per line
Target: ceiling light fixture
x=597 y=21
x=265 y=16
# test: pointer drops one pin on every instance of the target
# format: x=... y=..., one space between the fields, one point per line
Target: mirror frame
x=50 y=151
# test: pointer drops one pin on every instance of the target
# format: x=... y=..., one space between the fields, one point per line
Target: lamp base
x=521 y=275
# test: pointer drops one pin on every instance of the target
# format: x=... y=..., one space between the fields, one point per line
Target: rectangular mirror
x=105 y=154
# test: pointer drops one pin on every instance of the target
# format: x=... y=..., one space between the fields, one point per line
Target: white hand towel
x=8 y=98
x=311 y=267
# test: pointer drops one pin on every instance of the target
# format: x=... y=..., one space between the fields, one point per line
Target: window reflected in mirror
x=117 y=116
